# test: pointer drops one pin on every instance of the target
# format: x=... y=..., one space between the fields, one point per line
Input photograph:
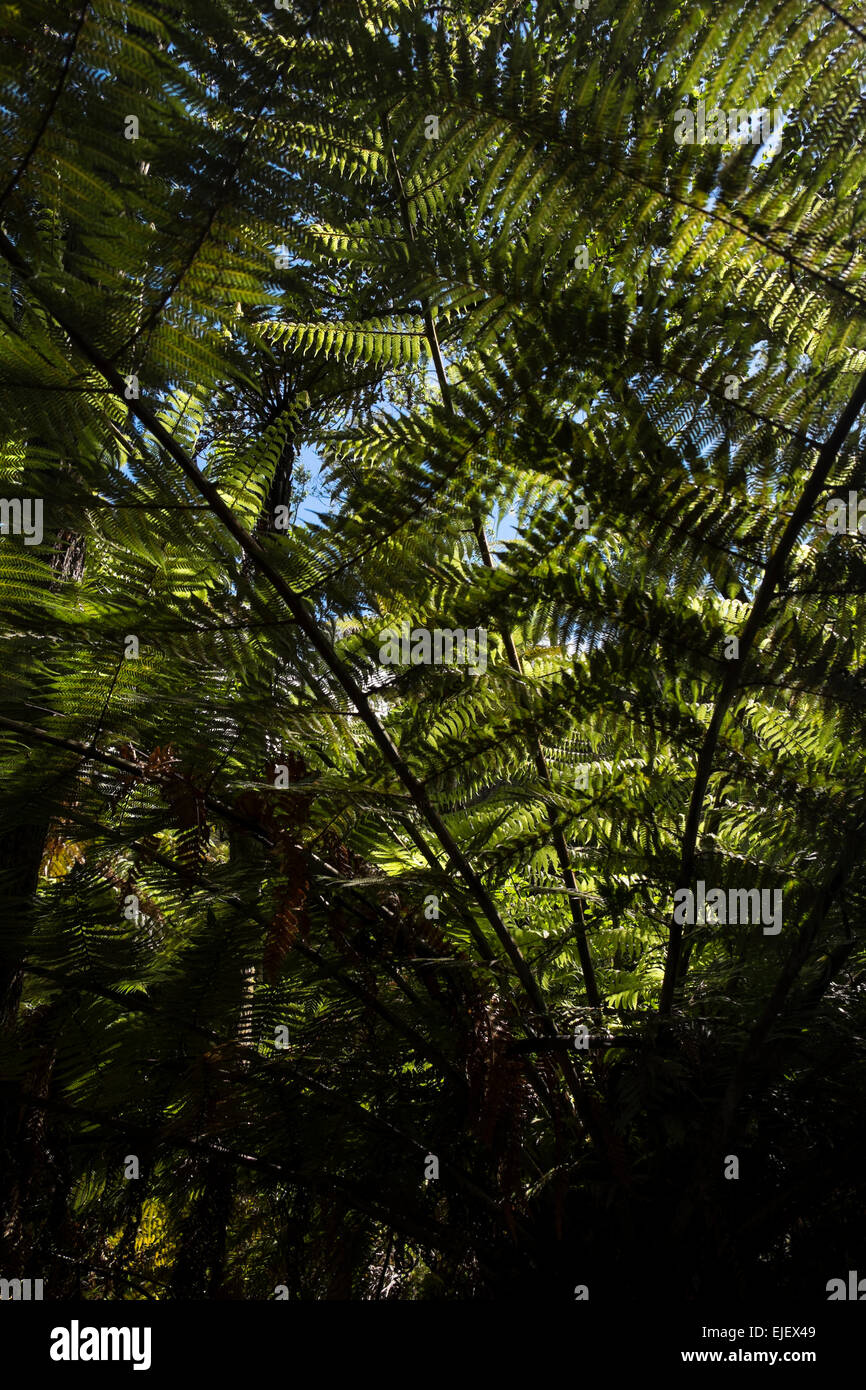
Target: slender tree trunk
x=23 y=1141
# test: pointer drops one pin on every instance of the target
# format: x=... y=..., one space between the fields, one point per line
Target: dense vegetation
x=287 y=927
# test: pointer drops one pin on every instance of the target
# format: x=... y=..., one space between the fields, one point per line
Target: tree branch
x=773 y=573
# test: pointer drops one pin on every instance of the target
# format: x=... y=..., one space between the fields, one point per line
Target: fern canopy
x=328 y=966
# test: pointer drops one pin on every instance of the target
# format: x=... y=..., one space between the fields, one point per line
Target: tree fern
x=285 y=921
